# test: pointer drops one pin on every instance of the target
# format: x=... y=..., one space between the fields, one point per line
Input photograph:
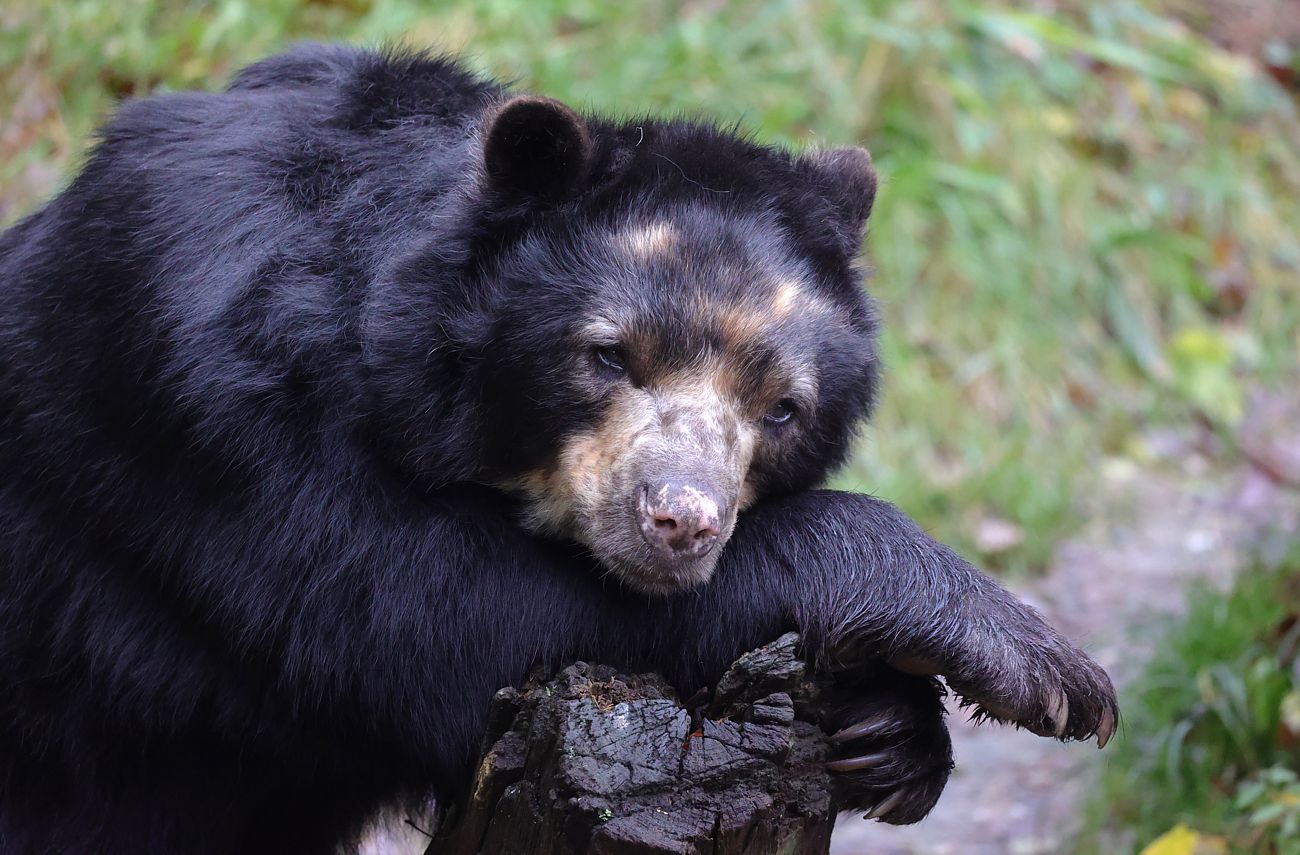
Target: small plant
x=1270 y=807
x=1212 y=742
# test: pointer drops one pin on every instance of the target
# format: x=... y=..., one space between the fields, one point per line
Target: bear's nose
x=679 y=519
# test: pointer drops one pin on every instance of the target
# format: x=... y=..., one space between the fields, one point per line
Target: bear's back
x=211 y=264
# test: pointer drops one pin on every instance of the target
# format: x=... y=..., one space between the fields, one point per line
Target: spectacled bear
x=335 y=401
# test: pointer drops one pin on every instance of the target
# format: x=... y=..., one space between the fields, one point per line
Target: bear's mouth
x=621 y=542
x=614 y=532
x=652 y=487
x=680 y=522
x=661 y=578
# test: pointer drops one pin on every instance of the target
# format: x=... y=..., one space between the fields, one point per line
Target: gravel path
x=1111 y=588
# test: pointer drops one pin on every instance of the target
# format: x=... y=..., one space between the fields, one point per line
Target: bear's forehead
x=740 y=275
x=728 y=293
x=740 y=251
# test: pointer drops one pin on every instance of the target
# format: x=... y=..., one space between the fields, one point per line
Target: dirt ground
x=1112 y=588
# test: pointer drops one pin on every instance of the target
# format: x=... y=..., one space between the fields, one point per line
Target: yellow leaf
x=1201 y=344
x=1179 y=840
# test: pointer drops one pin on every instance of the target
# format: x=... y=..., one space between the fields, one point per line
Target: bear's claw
x=866 y=728
x=1070 y=699
x=883 y=808
x=1058 y=713
x=1106 y=729
x=890 y=750
x=854 y=764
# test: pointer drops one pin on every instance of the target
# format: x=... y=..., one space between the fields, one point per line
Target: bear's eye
x=780 y=413
x=611 y=358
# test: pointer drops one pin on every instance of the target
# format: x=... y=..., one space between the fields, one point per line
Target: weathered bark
x=595 y=761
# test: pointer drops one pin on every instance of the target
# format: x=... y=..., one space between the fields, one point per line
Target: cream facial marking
x=652 y=489
x=648 y=241
x=601 y=331
x=787 y=295
x=740 y=324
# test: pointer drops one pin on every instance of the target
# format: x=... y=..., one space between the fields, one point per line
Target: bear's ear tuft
x=536 y=148
x=847 y=178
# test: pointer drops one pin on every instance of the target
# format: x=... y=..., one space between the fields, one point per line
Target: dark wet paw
x=1071 y=698
x=891 y=753
x=1036 y=680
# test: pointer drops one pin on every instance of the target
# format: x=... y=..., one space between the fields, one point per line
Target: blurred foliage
x=1088 y=220
x=1211 y=738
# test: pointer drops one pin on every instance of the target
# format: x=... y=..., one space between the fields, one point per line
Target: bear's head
x=662 y=323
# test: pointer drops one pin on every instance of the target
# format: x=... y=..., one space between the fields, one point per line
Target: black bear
x=332 y=402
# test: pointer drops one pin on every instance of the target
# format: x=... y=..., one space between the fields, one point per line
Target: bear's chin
x=646 y=575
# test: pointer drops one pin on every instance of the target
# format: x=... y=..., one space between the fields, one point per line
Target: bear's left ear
x=846 y=177
x=537 y=149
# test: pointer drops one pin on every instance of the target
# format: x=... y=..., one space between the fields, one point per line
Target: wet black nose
x=680 y=519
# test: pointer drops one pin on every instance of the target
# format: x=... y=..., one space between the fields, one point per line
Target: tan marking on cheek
x=748 y=495
x=750 y=436
x=747 y=446
x=579 y=470
x=586 y=474
x=648 y=241
x=545 y=509
x=641 y=431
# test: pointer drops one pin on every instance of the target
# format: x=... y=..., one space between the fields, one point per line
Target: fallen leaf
x=1179 y=840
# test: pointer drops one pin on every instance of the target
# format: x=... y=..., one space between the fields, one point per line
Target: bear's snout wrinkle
x=680 y=519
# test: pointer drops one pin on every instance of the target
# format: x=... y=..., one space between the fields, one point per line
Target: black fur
x=256 y=364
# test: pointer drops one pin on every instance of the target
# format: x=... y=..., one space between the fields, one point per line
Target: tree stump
x=595 y=761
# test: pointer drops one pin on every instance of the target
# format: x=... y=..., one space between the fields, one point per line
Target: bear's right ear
x=536 y=148
x=848 y=180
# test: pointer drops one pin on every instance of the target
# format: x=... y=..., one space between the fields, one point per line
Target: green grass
x=1211 y=738
x=1073 y=206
